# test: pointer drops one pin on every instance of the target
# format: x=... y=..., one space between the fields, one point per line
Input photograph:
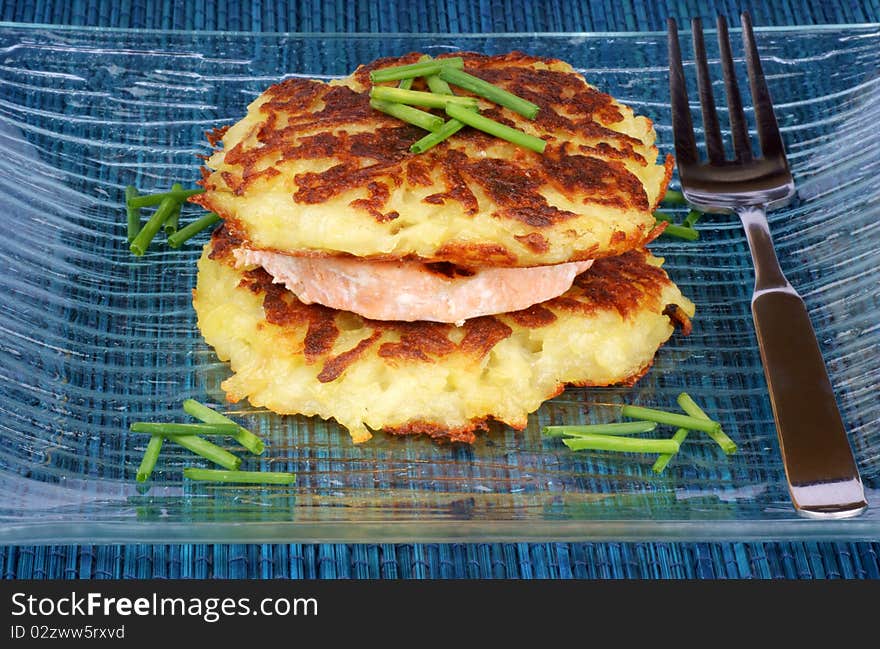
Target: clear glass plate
x=93 y=338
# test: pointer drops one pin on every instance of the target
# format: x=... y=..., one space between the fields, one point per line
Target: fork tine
x=682 y=125
x=714 y=145
x=768 y=129
x=741 y=145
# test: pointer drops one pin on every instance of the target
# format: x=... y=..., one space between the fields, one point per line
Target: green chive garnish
x=682 y=232
x=142 y=241
x=692 y=217
x=449 y=128
x=671 y=418
x=170 y=429
x=663 y=216
x=251 y=477
x=148 y=463
x=623 y=444
x=660 y=465
x=488 y=91
x=406 y=84
x=242 y=435
x=133 y=213
x=409 y=114
x=421 y=69
x=188 y=231
x=170 y=225
x=208 y=451
x=623 y=428
x=492 y=127
x=690 y=407
x=419 y=98
x=149 y=200
x=673 y=197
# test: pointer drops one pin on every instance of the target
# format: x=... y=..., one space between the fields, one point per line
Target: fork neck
x=768 y=274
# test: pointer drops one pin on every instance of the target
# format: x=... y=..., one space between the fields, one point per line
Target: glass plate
x=93 y=338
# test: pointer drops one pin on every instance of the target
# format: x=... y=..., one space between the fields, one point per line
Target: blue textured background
x=484 y=560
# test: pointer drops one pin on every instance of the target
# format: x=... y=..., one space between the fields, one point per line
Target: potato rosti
x=314 y=169
x=431 y=378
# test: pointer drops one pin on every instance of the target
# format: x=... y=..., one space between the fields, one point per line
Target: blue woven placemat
x=407 y=561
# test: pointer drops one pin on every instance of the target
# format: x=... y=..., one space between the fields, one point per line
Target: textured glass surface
x=92 y=338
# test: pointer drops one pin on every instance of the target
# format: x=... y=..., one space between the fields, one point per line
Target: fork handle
x=822 y=475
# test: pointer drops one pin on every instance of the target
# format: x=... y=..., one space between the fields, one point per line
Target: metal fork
x=822 y=475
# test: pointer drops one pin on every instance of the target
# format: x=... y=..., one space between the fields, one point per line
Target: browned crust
x=308 y=119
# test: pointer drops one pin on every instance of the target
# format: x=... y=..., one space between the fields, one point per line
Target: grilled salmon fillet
x=423 y=377
x=411 y=290
x=312 y=168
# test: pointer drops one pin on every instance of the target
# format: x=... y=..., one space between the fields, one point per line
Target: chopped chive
x=133 y=213
x=142 y=241
x=660 y=465
x=491 y=92
x=148 y=463
x=622 y=444
x=623 y=428
x=690 y=407
x=170 y=225
x=149 y=200
x=673 y=197
x=449 y=128
x=409 y=114
x=251 y=477
x=169 y=429
x=419 y=98
x=406 y=84
x=497 y=129
x=190 y=230
x=435 y=83
x=692 y=217
x=663 y=216
x=208 y=415
x=421 y=69
x=671 y=418
x=682 y=232
x=208 y=451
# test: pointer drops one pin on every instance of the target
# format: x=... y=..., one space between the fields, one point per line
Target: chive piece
x=148 y=463
x=682 y=232
x=409 y=114
x=134 y=213
x=419 y=98
x=170 y=225
x=449 y=128
x=690 y=407
x=671 y=418
x=674 y=197
x=142 y=241
x=421 y=69
x=692 y=217
x=169 y=429
x=485 y=89
x=406 y=84
x=243 y=436
x=190 y=230
x=149 y=200
x=251 y=477
x=208 y=450
x=623 y=428
x=623 y=444
x=497 y=129
x=660 y=465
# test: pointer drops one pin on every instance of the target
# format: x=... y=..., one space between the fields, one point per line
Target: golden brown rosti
x=313 y=168
x=431 y=378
